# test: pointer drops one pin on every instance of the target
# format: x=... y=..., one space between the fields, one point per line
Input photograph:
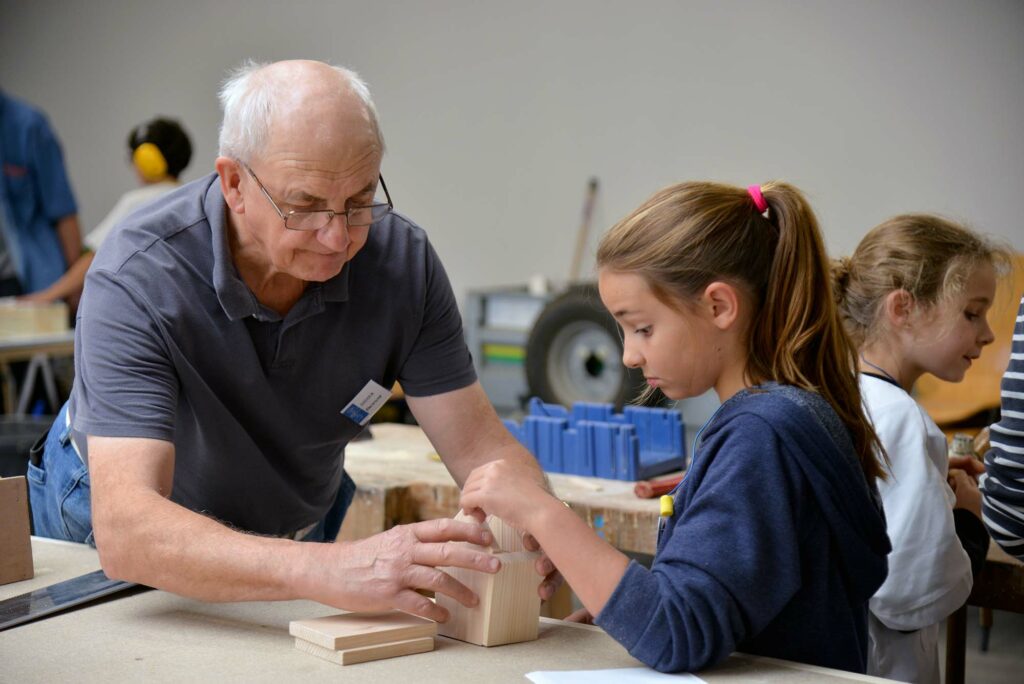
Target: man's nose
x=335 y=234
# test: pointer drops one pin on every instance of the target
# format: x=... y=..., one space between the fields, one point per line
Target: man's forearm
x=153 y=541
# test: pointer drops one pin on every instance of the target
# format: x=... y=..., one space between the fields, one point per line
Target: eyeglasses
x=315 y=219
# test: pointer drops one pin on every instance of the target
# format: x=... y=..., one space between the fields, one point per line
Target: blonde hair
x=928 y=256
x=691 y=234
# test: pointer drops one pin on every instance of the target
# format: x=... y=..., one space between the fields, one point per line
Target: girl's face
x=947 y=338
x=675 y=348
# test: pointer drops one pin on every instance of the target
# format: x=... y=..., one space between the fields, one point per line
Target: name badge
x=366 y=403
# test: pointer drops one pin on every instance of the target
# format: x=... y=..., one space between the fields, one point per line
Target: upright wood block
x=509 y=608
x=15 y=545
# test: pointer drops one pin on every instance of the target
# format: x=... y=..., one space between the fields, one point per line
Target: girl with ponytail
x=774 y=541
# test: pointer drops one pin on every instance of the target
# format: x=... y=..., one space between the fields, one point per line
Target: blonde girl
x=914 y=297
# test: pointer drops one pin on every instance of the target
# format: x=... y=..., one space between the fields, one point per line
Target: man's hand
x=385 y=570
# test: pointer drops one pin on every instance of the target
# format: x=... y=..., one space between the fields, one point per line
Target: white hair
x=249 y=105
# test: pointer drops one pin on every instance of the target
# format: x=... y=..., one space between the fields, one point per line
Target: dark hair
x=169 y=137
x=689 y=235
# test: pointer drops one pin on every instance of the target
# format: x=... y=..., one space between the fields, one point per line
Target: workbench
x=154 y=636
x=999 y=586
x=37 y=349
x=400 y=481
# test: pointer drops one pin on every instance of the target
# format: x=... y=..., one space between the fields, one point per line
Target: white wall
x=497 y=113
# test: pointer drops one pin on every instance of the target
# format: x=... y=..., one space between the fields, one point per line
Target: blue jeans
x=58 y=484
x=58 y=487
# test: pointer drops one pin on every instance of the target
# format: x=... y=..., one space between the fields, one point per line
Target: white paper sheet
x=628 y=675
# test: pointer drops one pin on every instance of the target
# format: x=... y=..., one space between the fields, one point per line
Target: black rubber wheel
x=574 y=353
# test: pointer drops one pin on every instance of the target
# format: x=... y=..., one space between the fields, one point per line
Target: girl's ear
x=899 y=308
x=722 y=302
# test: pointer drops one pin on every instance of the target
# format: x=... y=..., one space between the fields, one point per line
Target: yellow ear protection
x=150 y=162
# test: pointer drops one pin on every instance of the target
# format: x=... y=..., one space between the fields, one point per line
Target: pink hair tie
x=759 y=201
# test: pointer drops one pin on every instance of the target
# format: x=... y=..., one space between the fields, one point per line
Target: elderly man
x=234 y=336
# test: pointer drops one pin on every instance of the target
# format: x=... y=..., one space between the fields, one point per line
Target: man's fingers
x=446 y=529
x=416 y=604
x=457 y=555
x=422 y=577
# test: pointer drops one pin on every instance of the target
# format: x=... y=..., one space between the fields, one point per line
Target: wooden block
x=15 y=545
x=354 y=630
x=509 y=608
x=351 y=656
x=507 y=539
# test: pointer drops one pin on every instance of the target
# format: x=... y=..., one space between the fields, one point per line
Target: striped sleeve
x=1002 y=486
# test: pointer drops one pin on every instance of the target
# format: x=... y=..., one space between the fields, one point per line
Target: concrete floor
x=1003 y=663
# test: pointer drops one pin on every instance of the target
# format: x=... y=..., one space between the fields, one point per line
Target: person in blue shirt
x=775 y=540
x=38 y=215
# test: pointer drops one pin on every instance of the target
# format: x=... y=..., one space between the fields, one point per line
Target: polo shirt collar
x=235 y=297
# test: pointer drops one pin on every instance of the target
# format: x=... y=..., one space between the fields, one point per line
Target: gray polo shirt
x=172 y=345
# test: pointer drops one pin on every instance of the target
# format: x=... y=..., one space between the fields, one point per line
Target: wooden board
x=509 y=607
x=364 y=654
x=355 y=630
x=15 y=543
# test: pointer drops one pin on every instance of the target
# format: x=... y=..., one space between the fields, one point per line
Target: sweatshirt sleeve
x=1002 y=486
x=739 y=533
x=929 y=571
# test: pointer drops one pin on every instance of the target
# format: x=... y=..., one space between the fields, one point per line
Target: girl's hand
x=968 y=495
x=506 y=489
x=582 y=616
x=968 y=464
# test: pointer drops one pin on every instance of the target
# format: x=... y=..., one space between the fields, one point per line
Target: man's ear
x=722 y=302
x=230 y=172
x=899 y=308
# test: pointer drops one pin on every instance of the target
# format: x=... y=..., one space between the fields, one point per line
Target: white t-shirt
x=129 y=202
x=929 y=571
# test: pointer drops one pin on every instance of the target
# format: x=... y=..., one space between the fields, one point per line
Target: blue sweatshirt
x=776 y=543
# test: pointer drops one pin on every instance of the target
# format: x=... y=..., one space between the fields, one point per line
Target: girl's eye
x=971 y=316
x=643 y=331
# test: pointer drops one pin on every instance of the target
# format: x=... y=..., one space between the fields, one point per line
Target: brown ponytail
x=688 y=235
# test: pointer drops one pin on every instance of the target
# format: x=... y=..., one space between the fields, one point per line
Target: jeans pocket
x=36 y=475
x=75 y=507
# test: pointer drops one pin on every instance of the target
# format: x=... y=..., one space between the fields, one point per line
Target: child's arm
x=589 y=564
x=967 y=518
x=706 y=591
x=929 y=570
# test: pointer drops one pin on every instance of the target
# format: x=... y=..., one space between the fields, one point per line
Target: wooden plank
x=365 y=654
x=354 y=630
x=15 y=543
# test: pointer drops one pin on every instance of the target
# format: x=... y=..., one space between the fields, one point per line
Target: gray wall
x=497 y=113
